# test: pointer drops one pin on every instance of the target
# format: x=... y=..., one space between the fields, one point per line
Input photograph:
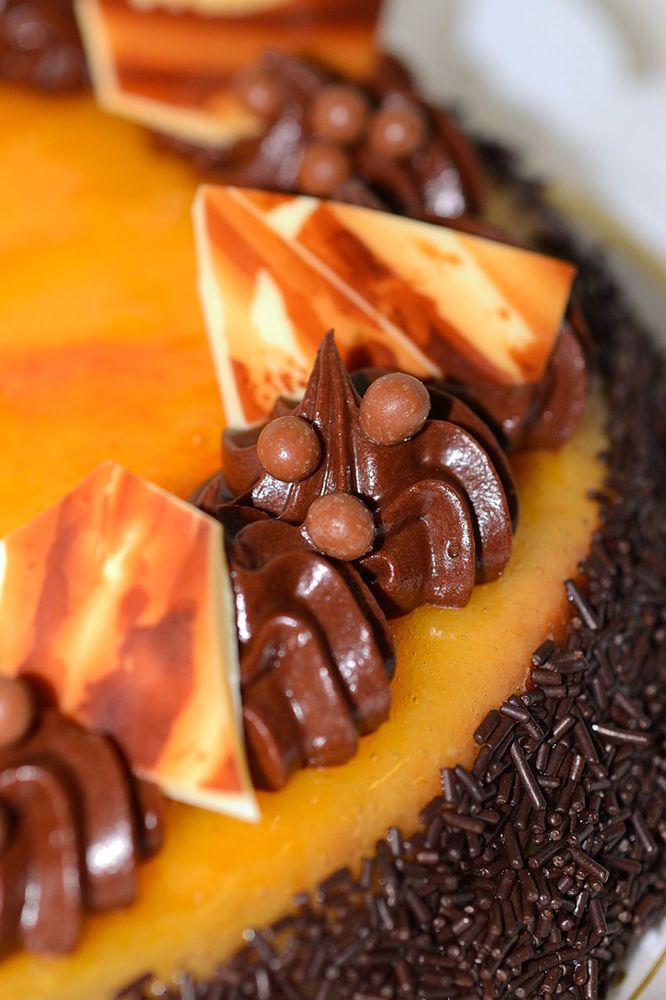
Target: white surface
x=579 y=85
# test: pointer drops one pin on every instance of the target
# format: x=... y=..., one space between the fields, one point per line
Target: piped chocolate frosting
x=378 y=145
x=73 y=825
x=316 y=653
x=419 y=518
x=40 y=45
x=443 y=510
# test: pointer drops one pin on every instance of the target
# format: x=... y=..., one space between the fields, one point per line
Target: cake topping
x=260 y=92
x=341 y=526
x=339 y=112
x=492 y=894
x=398 y=129
x=316 y=653
x=401 y=294
x=541 y=414
x=394 y=408
x=194 y=72
x=441 y=514
x=118 y=599
x=322 y=169
x=40 y=45
x=73 y=823
x=288 y=449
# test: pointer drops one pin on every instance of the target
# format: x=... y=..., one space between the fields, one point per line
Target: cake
x=541 y=856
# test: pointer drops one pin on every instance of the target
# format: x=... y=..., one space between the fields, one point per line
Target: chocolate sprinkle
x=530 y=875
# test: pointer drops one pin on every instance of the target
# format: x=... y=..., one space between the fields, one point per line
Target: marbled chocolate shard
x=172 y=66
x=277 y=269
x=118 y=598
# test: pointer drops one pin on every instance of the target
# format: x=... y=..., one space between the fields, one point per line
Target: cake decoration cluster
x=347 y=141
x=418 y=517
x=373 y=494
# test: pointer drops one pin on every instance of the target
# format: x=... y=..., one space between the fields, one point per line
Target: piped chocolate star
x=442 y=507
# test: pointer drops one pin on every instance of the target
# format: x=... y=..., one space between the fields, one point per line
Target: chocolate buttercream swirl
x=40 y=45
x=443 y=507
x=316 y=653
x=73 y=825
x=378 y=145
x=541 y=414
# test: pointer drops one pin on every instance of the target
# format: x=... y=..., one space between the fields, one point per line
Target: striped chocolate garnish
x=400 y=293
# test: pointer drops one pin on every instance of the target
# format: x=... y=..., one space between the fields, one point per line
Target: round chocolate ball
x=323 y=167
x=341 y=526
x=397 y=130
x=289 y=449
x=260 y=92
x=17 y=711
x=394 y=408
x=339 y=113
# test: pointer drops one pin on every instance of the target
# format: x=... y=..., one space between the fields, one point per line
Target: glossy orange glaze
x=104 y=356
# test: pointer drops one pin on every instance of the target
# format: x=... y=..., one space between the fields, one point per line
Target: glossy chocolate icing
x=316 y=653
x=442 y=507
x=541 y=414
x=40 y=45
x=439 y=179
x=74 y=824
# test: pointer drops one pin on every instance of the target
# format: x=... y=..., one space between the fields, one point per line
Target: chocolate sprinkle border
x=531 y=874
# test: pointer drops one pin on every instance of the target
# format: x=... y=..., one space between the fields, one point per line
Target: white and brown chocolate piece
x=400 y=293
x=118 y=599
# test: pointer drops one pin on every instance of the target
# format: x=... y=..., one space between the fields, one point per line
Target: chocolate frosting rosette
x=441 y=509
x=349 y=508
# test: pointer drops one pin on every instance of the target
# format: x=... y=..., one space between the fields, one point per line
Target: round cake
x=502 y=833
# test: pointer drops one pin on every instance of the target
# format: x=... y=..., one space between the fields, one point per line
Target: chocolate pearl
x=289 y=449
x=323 y=167
x=397 y=130
x=17 y=711
x=394 y=408
x=260 y=93
x=339 y=112
x=341 y=526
